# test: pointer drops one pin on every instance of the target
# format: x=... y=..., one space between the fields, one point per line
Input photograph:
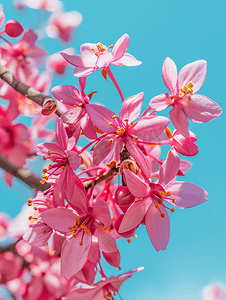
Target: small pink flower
x=96 y=56
x=186 y=104
x=49 y=5
x=56 y=63
x=102 y=290
x=151 y=198
x=62 y=24
x=214 y=291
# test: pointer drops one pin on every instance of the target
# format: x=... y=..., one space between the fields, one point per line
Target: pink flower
x=122 y=130
x=49 y=5
x=96 y=56
x=2 y=16
x=15 y=139
x=56 y=63
x=78 y=115
x=62 y=24
x=186 y=104
x=79 y=229
x=102 y=290
x=151 y=198
x=214 y=291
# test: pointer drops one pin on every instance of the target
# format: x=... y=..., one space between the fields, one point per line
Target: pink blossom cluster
x=79 y=218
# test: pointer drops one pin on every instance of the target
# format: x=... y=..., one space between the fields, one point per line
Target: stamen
x=110 y=123
x=162 y=215
x=114 y=117
x=172 y=210
x=81 y=243
x=168 y=133
x=190 y=85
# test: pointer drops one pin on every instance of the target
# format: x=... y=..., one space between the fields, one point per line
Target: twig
x=23 y=174
x=23 y=89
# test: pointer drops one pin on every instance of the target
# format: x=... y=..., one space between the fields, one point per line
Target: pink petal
x=102 y=150
x=76 y=60
x=185 y=146
x=74 y=159
x=61 y=135
x=101 y=212
x=160 y=102
x=131 y=107
x=134 y=215
x=104 y=60
x=75 y=193
x=136 y=186
x=194 y=72
x=87 y=51
x=73 y=255
x=201 y=109
x=82 y=72
x=59 y=190
x=169 y=168
x=53 y=148
x=35 y=235
x=149 y=128
x=186 y=194
x=113 y=258
x=101 y=117
x=127 y=60
x=120 y=47
x=87 y=127
x=179 y=120
x=58 y=218
x=169 y=75
x=158 y=228
x=69 y=94
x=72 y=115
x=139 y=157
x=106 y=241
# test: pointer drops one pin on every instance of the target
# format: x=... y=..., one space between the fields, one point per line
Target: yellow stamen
x=168 y=133
x=80 y=104
x=44 y=170
x=162 y=215
x=74 y=236
x=44 y=158
x=63 y=168
x=81 y=243
x=126 y=120
x=111 y=141
x=49 y=153
x=168 y=193
x=42 y=181
x=190 y=85
x=161 y=193
x=110 y=123
x=114 y=117
x=52 y=159
x=172 y=210
x=30 y=218
x=69 y=228
x=44 y=232
x=35 y=208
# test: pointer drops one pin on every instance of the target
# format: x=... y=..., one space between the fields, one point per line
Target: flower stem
x=110 y=74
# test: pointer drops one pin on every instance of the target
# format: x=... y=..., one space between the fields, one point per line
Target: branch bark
x=23 y=174
x=23 y=89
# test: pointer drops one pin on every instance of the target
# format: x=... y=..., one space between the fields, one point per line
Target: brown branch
x=23 y=174
x=23 y=89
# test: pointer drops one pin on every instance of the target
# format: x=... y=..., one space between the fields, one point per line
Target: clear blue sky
x=185 y=31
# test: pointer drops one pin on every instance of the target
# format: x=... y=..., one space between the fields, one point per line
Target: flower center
x=81 y=225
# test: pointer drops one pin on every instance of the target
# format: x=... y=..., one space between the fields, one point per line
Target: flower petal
x=102 y=212
x=201 y=109
x=134 y=215
x=169 y=75
x=101 y=117
x=179 y=120
x=69 y=94
x=136 y=186
x=194 y=72
x=58 y=218
x=186 y=194
x=131 y=107
x=106 y=241
x=158 y=228
x=120 y=47
x=73 y=255
x=169 y=168
x=160 y=102
x=127 y=60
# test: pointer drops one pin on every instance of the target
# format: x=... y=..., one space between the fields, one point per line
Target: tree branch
x=23 y=89
x=23 y=174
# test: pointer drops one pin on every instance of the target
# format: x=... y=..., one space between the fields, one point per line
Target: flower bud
x=13 y=28
x=49 y=106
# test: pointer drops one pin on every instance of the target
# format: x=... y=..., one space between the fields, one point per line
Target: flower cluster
x=83 y=213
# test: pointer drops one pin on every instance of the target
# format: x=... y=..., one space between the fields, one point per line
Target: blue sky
x=184 y=31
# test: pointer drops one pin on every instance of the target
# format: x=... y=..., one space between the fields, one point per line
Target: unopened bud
x=13 y=28
x=49 y=106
